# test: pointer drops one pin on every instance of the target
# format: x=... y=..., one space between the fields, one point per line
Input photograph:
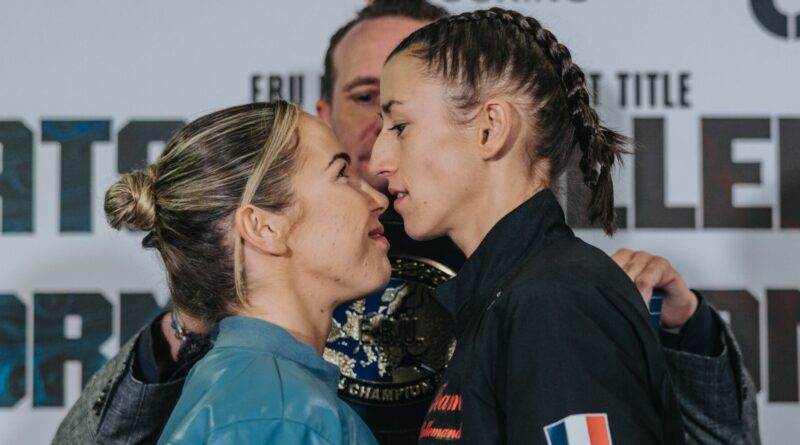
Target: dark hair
x=499 y=51
x=413 y=9
x=185 y=201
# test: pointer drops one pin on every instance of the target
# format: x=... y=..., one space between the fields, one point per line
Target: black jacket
x=548 y=327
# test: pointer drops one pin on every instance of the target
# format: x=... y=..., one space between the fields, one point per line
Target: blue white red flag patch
x=579 y=429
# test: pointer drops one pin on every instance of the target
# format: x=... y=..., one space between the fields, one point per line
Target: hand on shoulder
x=648 y=271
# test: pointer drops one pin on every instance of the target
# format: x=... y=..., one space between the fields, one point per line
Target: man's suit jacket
x=115 y=409
x=716 y=394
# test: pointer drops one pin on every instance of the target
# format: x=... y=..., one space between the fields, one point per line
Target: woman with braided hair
x=481 y=111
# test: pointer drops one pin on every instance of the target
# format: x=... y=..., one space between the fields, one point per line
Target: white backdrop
x=113 y=62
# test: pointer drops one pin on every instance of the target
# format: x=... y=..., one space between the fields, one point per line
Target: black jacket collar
x=527 y=228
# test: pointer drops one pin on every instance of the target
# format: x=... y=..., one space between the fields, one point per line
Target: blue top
x=259 y=385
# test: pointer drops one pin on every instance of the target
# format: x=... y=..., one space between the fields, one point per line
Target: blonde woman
x=262 y=230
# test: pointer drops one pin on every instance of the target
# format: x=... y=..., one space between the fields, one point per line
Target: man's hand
x=648 y=271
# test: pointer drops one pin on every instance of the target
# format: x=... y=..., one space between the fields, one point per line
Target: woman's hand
x=648 y=272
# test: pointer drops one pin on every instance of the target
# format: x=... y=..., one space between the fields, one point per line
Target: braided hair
x=493 y=51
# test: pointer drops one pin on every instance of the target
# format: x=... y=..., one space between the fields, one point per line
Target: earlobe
x=261 y=229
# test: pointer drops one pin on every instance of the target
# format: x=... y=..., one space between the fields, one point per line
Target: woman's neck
x=307 y=322
x=476 y=219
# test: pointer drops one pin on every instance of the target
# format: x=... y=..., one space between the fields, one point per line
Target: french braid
x=478 y=52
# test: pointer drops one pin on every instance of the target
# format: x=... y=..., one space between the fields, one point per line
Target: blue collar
x=261 y=336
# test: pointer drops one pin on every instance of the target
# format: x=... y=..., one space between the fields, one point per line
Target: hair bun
x=130 y=202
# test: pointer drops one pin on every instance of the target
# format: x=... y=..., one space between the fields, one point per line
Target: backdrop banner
x=90 y=89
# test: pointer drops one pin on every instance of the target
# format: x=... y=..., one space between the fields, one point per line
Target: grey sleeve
x=115 y=408
x=716 y=394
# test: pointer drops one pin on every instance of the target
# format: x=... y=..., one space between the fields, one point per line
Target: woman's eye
x=398 y=128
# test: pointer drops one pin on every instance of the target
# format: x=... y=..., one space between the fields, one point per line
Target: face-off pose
x=392 y=346
x=131 y=397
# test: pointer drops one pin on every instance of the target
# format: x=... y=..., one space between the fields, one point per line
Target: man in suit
x=130 y=399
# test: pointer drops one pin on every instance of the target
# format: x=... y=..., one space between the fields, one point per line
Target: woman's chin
x=420 y=233
x=383 y=279
x=374 y=282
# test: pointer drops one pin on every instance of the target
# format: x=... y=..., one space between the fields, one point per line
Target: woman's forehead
x=400 y=79
x=316 y=141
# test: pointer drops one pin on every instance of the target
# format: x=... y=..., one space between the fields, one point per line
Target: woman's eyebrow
x=387 y=106
x=342 y=155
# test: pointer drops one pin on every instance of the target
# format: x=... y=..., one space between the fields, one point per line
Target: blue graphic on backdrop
x=12 y=350
x=76 y=138
x=16 y=177
x=51 y=348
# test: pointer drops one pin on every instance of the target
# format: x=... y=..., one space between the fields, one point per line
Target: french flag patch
x=579 y=429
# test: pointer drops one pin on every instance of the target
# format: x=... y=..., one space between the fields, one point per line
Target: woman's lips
x=382 y=241
x=376 y=235
x=399 y=197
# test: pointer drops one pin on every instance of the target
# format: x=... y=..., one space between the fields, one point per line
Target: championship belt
x=391 y=347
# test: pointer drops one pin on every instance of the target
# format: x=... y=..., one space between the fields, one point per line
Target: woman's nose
x=379 y=201
x=381 y=163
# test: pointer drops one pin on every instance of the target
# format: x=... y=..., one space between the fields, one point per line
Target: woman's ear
x=262 y=229
x=495 y=124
